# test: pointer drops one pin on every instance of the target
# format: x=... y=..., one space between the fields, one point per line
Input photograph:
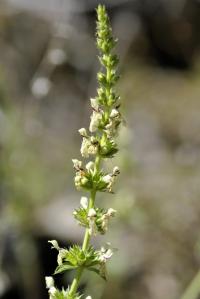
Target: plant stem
x=75 y=282
x=193 y=290
x=86 y=240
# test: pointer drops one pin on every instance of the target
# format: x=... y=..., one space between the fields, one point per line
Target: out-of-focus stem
x=193 y=290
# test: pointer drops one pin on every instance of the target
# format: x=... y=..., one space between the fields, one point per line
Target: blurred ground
x=47 y=75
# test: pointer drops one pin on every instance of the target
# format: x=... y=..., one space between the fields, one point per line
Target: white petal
x=77 y=163
x=52 y=291
x=94 y=103
x=114 y=113
x=107 y=178
x=111 y=212
x=84 y=202
x=49 y=282
x=91 y=213
x=54 y=244
x=116 y=170
x=83 y=132
x=89 y=165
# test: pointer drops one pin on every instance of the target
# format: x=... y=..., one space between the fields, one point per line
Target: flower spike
x=98 y=143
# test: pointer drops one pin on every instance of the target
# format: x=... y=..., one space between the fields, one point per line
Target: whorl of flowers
x=98 y=143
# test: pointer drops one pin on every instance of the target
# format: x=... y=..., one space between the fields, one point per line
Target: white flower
x=84 y=180
x=116 y=170
x=62 y=253
x=94 y=103
x=92 y=227
x=91 y=213
x=104 y=224
x=114 y=113
x=77 y=164
x=89 y=166
x=77 y=179
x=52 y=292
x=88 y=147
x=88 y=297
x=107 y=178
x=49 y=282
x=84 y=148
x=84 y=202
x=92 y=224
x=95 y=120
x=92 y=149
x=105 y=219
x=105 y=254
x=111 y=212
x=83 y=132
x=54 y=244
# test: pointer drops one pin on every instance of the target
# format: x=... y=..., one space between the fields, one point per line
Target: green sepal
x=108 y=148
x=94 y=181
x=64 y=294
x=81 y=216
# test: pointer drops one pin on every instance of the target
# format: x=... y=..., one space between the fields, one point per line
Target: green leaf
x=97 y=271
x=63 y=268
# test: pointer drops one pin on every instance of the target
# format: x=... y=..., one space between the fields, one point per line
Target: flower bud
x=84 y=181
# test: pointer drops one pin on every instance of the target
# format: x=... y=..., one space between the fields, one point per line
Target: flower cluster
x=95 y=219
x=91 y=178
x=98 y=143
x=75 y=257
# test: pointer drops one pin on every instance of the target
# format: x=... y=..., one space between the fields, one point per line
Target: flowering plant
x=98 y=143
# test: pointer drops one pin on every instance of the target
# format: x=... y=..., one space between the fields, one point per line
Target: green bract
x=98 y=142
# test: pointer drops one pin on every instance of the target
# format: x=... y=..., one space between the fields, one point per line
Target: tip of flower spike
x=101 y=9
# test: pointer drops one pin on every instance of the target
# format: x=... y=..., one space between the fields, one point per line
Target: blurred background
x=48 y=65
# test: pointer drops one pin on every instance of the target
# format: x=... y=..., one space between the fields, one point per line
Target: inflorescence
x=98 y=143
